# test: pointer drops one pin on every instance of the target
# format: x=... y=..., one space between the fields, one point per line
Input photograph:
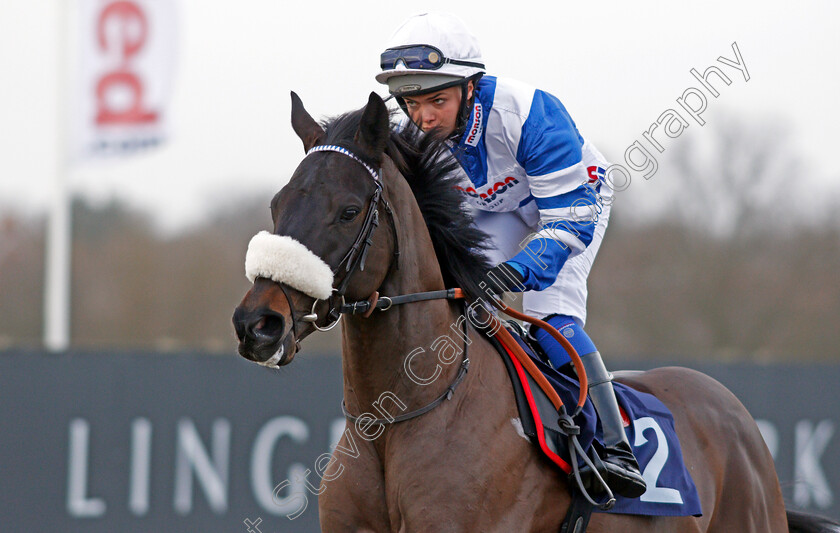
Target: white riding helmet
x=429 y=51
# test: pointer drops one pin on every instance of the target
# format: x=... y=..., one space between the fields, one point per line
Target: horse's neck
x=376 y=350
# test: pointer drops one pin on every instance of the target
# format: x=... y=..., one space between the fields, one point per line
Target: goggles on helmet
x=419 y=57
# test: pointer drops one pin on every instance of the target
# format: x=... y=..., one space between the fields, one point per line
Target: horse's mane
x=431 y=172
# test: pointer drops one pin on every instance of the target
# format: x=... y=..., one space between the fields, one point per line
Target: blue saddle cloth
x=649 y=426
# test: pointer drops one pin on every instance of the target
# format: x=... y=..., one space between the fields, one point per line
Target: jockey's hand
x=503 y=278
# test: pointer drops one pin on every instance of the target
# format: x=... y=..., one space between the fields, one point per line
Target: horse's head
x=324 y=221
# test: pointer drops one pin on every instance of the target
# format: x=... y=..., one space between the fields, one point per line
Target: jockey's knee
x=577 y=337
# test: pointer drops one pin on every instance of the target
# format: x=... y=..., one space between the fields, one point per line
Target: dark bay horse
x=380 y=215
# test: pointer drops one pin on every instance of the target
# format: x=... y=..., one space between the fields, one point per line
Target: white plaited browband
x=282 y=259
x=348 y=153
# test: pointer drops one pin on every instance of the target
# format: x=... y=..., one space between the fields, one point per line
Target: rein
x=383 y=303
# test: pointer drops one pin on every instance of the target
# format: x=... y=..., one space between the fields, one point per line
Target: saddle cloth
x=648 y=423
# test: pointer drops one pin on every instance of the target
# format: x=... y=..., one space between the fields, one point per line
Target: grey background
x=40 y=394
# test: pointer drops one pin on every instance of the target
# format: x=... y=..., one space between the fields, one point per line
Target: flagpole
x=58 y=252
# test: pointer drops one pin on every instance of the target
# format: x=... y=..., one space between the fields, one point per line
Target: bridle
x=354 y=260
x=357 y=254
x=355 y=257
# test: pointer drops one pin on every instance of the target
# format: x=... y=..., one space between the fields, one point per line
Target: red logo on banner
x=121 y=30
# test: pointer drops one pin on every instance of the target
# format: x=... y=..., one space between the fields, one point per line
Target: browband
x=348 y=153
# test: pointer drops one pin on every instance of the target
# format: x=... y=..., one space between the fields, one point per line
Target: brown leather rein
x=383 y=303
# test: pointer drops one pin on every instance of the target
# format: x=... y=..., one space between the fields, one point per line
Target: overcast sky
x=617 y=66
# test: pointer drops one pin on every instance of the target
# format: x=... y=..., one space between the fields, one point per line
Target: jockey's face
x=437 y=109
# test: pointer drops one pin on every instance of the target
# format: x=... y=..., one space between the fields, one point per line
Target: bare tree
x=736 y=177
x=739 y=265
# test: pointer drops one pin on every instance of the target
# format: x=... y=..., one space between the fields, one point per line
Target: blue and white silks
x=536 y=186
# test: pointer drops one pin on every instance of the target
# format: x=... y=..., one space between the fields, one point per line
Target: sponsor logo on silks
x=492 y=191
x=595 y=173
x=474 y=133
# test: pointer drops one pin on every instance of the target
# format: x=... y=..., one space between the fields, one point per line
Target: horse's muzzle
x=262 y=337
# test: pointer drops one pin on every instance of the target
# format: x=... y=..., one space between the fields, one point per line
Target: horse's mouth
x=274 y=360
x=280 y=358
x=269 y=354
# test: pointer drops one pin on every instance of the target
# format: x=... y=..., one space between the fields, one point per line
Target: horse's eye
x=350 y=213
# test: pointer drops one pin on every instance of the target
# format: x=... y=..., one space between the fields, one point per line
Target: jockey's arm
x=550 y=151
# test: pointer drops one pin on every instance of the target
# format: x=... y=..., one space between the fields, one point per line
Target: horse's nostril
x=239 y=324
x=269 y=326
x=261 y=325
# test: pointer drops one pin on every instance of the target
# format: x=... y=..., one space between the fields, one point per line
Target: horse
x=372 y=214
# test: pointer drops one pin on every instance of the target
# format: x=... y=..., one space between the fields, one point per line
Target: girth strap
x=578 y=515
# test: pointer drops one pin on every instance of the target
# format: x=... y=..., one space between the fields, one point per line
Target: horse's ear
x=309 y=131
x=374 y=127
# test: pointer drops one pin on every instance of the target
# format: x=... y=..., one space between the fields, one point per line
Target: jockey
x=535 y=185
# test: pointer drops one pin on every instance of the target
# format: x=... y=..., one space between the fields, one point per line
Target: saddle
x=648 y=422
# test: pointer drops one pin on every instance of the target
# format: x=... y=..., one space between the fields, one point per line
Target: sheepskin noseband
x=285 y=260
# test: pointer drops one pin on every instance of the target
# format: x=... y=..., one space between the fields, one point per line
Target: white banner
x=124 y=70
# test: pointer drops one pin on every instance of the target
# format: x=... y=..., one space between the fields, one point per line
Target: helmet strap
x=466 y=106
